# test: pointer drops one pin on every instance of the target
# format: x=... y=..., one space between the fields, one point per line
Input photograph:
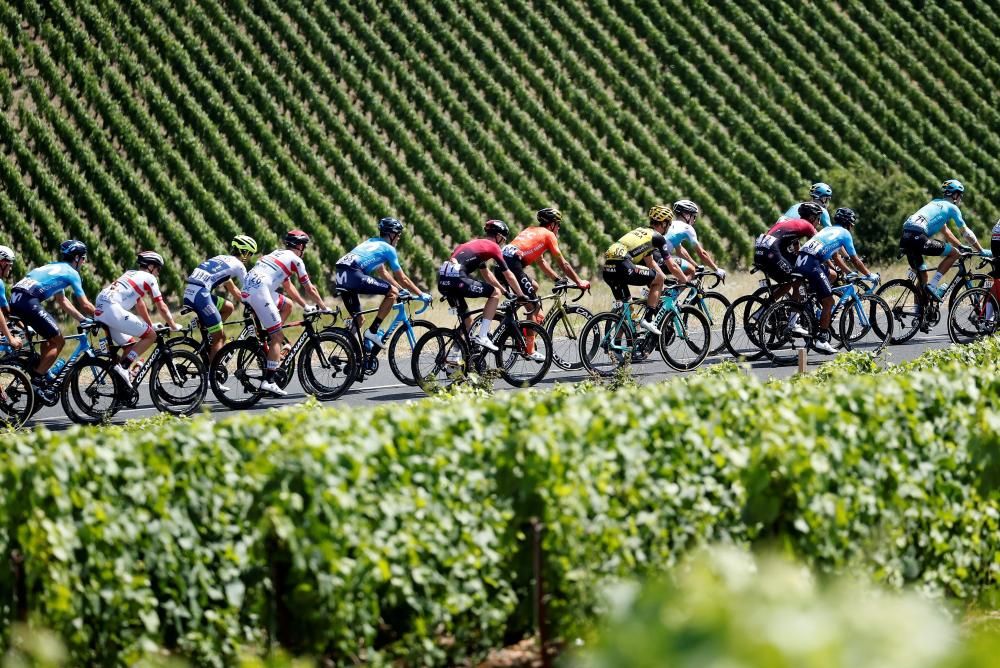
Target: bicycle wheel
x=512 y=357
x=564 y=330
x=237 y=372
x=685 y=340
x=440 y=359
x=865 y=324
x=967 y=283
x=192 y=344
x=17 y=399
x=606 y=343
x=739 y=327
x=327 y=366
x=401 y=350
x=178 y=381
x=90 y=392
x=774 y=330
x=904 y=304
x=714 y=305
x=973 y=316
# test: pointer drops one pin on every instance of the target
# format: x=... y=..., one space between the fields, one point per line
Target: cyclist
x=777 y=250
x=821 y=194
x=114 y=309
x=6 y=266
x=528 y=247
x=42 y=283
x=930 y=219
x=260 y=287
x=681 y=232
x=643 y=245
x=219 y=271
x=455 y=279
x=354 y=275
x=812 y=260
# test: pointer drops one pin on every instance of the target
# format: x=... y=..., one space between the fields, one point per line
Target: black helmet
x=844 y=217
x=548 y=216
x=387 y=226
x=296 y=238
x=70 y=249
x=810 y=210
x=494 y=227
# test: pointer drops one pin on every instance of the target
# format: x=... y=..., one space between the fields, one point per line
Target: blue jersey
x=3 y=295
x=45 y=281
x=216 y=270
x=793 y=212
x=827 y=242
x=933 y=216
x=370 y=255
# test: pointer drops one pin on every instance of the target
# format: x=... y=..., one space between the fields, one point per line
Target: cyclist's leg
x=269 y=313
x=912 y=245
x=31 y=312
x=199 y=299
x=127 y=330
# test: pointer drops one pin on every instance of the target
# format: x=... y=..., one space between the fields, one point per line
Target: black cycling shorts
x=620 y=275
x=457 y=286
x=357 y=282
x=31 y=312
x=516 y=266
x=915 y=245
x=775 y=265
x=816 y=275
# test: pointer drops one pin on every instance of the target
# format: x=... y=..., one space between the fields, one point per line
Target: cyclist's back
x=776 y=251
x=217 y=270
x=934 y=215
x=828 y=241
x=272 y=269
x=793 y=212
x=43 y=282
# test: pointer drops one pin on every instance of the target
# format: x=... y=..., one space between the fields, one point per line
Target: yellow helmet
x=660 y=214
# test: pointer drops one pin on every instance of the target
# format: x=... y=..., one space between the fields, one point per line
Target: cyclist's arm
x=293 y=294
x=970 y=236
x=233 y=291
x=838 y=260
x=165 y=313
x=547 y=269
x=404 y=280
x=706 y=257
x=569 y=271
x=314 y=295
x=675 y=270
x=143 y=312
x=508 y=276
x=65 y=305
x=951 y=238
x=683 y=252
x=652 y=264
x=860 y=265
x=11 y=339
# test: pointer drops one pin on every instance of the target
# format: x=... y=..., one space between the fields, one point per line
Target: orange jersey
x=532 y=242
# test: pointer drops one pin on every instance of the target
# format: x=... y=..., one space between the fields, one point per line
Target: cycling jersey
x=933 y=216
x=994 y=236
x=680 y=232
x=784 y=234
x=272 y=270
x=635 y=245
x=132 y=286
x=531 y=243
x=370 y=255
x=45 y=281
x=827 y=242
x=3 y=295
x=474 y=254
x=793 y=212
x=219 y=269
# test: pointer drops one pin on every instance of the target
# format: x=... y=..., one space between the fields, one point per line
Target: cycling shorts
x=774 y=264
x=31 y=312
x=456 y=285
x=123 y=325
x=815 y=274
x=357 y=282
x=516 y=266
x=620 y=275
x=199 y=299
x=267 y=305
x=915 y=245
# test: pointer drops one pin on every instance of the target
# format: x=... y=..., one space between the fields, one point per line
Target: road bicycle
x=612 y=339
x=17 y=398
x=863 y=321
x=698 y=292
x=974 y=314
x=741 y=320
x=444 y=356
x=563 y=322
x=326 y=364
x=202 y=344
x=915 y=309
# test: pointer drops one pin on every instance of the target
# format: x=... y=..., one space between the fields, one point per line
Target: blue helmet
x=71 y=249
x=952 y=187
x=820 y=190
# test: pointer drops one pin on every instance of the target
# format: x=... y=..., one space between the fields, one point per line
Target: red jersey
x=474 y=254
x=532 y=242
x=787 y=232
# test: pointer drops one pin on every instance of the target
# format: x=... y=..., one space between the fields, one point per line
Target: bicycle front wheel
x=327 y=366
x=440 y=359
x=973 y=316
x=236 y=374
x=17 y=398
x=685 y=340
x=714 y=305
x=606 y=344
x=178 y=381
x=401 y=350
x=564 y=330
x=90 y=392
x=739 y=327
x=775 y=330
x=524 y=355
x=865 y=324
x=905 y=307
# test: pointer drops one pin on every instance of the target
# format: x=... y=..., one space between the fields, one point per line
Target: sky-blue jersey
x=372 y=254
x=793 y=212
x=45 y=281
x=3 y=295
x=933 y=216
x=827 y=241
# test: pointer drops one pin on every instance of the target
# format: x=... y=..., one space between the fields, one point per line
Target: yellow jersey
x=635 y=245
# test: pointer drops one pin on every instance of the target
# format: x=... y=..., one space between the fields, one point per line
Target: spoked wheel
x=973 y=316
x=564 y=331
x=905 y=306
x=237 y=372
x=401 y=350
x=178 y=381
x=685 y=341
x=775 y=330
x=17 y=399
x=606 y=344
x=524 y=354
x=91 y=390
x=714 y=306
x=865 y=324
x=440 y=359
x=739 y=327
x=969 y=282
x=327 y=366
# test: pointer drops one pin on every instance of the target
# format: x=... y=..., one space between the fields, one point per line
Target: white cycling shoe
x=485 y=342
x=649 y=327
x=823 y=345
x=374 y=339
x=270 y=387
x=123 y=374
x=536 y=356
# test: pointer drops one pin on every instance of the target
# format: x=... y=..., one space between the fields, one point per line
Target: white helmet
x=6 y=253
x=149 y=257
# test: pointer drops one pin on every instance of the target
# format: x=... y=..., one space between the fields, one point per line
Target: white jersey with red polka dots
x=272 y=270
x=132 y=286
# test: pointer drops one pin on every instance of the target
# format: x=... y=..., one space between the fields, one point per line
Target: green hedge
x=398 y=533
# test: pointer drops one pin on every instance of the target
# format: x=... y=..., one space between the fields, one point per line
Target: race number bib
x=766 y=241
x=814 y=247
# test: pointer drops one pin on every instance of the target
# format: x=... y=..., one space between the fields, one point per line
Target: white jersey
x=680 y=232
x=272 y=270
x=216 y=270
x=132 y=286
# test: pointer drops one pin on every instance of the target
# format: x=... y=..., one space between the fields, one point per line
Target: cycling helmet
x=71 y=249
x=149 y=257
x=952 y=187
x=548 y=216
x=493 y=227
x=810 y=210
x=659 y=213
x=685 y=206
x=844 y=217
x=296 y=238
x=820 y=190
x=388 y=226
x=6 y=253
x=244 y=245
